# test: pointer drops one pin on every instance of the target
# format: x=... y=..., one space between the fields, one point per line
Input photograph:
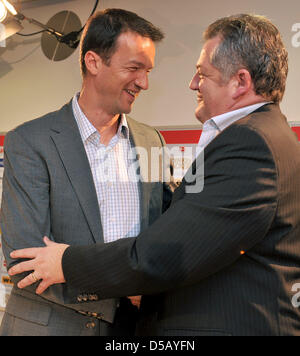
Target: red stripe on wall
x=181 y=136
x=297 y=130
x=173 y=137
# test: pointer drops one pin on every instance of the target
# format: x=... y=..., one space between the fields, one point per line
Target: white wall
x=31 y=85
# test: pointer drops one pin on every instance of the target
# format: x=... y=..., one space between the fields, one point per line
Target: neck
x=243 y=102
x=105 y=124
x=240 y=103
x=255 y=99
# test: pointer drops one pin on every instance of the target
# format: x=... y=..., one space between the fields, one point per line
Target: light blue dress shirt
x=215 y=125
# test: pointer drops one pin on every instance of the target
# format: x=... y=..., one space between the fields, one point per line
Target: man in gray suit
x=223 y=261
x=68 y=176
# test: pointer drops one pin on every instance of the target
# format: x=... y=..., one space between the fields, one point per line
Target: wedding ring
x=34 y=277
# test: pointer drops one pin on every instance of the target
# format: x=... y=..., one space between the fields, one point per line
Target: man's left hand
x=45 y=262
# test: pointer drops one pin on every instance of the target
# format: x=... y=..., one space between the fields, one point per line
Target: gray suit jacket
x=222 y=261
x=48 y=189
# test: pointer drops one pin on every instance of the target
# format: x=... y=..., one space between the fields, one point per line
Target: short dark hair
x=104 y=28
x=254 y=43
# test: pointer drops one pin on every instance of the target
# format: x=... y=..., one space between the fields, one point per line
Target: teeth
x=130 y=92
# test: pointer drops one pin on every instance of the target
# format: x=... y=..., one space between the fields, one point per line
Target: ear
x=93 y=62
x=242 y=83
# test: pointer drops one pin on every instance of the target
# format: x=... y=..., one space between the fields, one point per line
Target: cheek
x=205 y=87
x=201 y=85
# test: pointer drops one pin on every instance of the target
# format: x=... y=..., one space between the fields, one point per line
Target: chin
x=127 y=110
x=201 y=115
x=198 y=115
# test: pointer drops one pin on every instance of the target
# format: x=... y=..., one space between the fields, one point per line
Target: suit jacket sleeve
x=199 y=235
x=25 y=213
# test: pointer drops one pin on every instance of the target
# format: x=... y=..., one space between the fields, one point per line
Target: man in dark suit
x=222 y=261
x=67 y=176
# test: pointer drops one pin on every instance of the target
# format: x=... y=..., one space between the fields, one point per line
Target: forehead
x=207 y=50
x=133 y=41
x=134 y=47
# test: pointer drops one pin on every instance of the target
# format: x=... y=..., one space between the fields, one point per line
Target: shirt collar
x=220 y=122
x=87 y=129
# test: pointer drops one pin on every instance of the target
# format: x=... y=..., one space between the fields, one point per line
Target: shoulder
x=244 y=140
x=143 y=128
x=38 y=128
x=268 y=122
x=262 y=138
x=271 y=126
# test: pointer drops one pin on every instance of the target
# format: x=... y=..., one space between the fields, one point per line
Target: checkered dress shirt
x=118 y=196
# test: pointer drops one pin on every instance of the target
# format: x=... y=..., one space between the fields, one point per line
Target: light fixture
x=4 y=6
x=10 y=7
x=9 y=21
x=18 y=16
x=3 y=12
x=60 y=35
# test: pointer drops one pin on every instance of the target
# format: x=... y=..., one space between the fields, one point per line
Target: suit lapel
x=142 y=144
x=68 y=142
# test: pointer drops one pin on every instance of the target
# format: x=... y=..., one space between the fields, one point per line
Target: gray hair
x=251 y=42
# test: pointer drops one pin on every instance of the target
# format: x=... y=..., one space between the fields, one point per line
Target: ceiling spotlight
x=3 y=12
x=10 y=7
x=61 y=35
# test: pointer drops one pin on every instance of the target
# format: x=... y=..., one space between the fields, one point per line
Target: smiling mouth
x=131 y=92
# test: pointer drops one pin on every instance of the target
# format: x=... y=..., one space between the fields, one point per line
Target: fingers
x=25 y=253
x=47 y=241
x=44 y=261
x=30 y=252
x=21 y=267
x=27 y=281
x=31 y=279
x=42 y=287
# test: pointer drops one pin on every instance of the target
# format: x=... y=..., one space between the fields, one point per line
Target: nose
x=194 y=84
x=142 y=81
